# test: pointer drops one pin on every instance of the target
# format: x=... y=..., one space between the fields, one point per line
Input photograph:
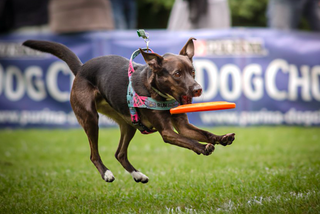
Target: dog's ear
x=153 y=60
x=188 y=49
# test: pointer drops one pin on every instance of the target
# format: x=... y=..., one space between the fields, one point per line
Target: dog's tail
x=59 y=50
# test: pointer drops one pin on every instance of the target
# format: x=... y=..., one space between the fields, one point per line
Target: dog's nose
x=197 y=91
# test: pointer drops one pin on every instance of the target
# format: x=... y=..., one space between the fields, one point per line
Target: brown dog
x=100 y=85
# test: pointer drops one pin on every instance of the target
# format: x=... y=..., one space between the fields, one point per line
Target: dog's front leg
x=162 y=123
x=182 y=125
x=169 y=136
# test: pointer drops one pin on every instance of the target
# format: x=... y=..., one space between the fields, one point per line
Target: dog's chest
x=145 y=121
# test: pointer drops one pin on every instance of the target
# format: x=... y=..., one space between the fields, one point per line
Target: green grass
x=266 y=170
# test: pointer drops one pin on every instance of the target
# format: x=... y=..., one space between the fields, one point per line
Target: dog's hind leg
x=83 y=104
x=127 y=133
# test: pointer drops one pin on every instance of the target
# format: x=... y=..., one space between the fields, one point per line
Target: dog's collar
x=135 y=101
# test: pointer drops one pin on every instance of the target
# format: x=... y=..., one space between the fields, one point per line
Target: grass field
x=266 y=170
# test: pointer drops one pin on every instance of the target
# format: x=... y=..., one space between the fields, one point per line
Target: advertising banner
x=272 y=76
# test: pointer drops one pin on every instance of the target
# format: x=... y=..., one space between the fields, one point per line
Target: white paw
x=108 y=176
x=139 y=177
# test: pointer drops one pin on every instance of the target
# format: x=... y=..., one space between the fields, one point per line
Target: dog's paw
x=208 y=149
x=139 y=177
x=227 y=139
x=108 y=176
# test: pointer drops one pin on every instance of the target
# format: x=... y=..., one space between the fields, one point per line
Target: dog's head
x=174 y=74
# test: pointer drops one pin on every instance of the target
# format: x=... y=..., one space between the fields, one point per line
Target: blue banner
x=272 y=76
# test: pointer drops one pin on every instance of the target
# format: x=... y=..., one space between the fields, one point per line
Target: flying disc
x=209 y=106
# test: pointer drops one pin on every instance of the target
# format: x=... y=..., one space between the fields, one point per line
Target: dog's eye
x=193 y=74
x=177 y=74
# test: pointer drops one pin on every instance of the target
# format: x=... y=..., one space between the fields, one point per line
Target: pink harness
x=135 y=101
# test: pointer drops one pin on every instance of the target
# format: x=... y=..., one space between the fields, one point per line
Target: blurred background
x=262 y=55
x=148 y=14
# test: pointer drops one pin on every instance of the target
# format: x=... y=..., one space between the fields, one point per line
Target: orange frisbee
x=209 y=106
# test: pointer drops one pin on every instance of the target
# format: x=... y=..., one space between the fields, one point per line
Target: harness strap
x=166 y=96
x=135 y=101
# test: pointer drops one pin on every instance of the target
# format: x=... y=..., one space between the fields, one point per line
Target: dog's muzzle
x=197 y=91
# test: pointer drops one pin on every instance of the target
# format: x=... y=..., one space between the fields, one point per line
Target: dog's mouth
x=185 y=99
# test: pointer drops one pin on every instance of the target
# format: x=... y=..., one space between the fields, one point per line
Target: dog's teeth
x=139 y=177
x=108 y=176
